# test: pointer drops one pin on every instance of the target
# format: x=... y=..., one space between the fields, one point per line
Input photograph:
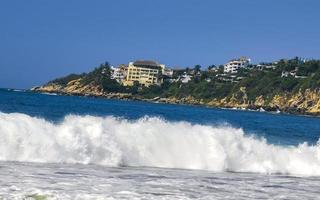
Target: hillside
x=291 y=86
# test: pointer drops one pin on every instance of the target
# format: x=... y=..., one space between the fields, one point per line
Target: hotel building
x=144 y=72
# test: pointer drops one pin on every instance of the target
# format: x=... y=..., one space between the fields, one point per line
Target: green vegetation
x=101 y=76
x=65 y=80
x=267 y=82
x=212 y=84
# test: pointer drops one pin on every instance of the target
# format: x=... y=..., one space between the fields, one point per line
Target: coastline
x=183 y=101
x=264 y=90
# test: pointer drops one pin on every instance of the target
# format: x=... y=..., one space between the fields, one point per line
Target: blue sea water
x=69 y=147
x=280 y=129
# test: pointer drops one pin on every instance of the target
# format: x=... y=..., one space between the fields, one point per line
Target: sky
x=44 y=39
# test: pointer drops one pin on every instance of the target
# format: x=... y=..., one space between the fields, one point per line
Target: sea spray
x=149 y=141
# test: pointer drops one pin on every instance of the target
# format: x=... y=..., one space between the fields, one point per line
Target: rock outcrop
x=75 y=87
x=301 y=102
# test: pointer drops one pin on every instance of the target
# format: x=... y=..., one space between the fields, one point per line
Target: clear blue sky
x=44 y=39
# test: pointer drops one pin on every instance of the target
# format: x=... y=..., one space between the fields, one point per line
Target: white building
x=265 y=66
x=234 y=65
x=119 y=73
x=185 y=78
x=290 y=73
x=167 y=72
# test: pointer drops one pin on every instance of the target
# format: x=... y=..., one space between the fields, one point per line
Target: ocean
x=70 y=147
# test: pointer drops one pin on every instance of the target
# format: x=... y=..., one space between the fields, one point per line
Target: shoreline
x=158 y=100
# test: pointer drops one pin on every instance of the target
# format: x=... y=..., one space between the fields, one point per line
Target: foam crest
x=149 y=141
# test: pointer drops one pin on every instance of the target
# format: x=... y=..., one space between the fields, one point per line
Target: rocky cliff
x=302 y=102
x=307 y=102
x=75 y=87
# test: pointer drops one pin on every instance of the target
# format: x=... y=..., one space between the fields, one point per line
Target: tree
x=221 y=69
x=187 y=70
x=210 y=67
x=197 y=68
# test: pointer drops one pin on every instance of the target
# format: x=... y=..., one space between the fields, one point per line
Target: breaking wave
x=149 y=141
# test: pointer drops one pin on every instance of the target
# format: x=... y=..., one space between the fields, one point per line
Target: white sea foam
x=149 y=141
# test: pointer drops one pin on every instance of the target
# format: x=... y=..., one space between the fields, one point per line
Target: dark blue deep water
x=280 y=129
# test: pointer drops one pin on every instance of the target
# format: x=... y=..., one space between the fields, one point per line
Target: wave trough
x=149 y=141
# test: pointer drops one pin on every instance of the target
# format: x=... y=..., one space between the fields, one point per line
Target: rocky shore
x=303 y=102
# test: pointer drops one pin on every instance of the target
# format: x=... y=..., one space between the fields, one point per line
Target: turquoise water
x=280 y=129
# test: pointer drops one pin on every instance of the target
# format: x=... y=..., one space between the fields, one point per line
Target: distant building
x=264 y=66
x=291 y=73
x=144 y=72
x=185 y=78
x=234 y=65
x=119 y=73
x=284 y=74
x=226 y=77
x=167 y=72
x=214 y=69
